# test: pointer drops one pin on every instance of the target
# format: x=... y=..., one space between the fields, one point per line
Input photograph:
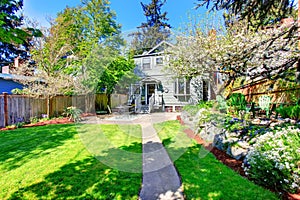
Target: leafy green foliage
x=114 y=72
x=90 y=24
x=86 y=27
x=67 y=46
x=14 y=40
x=49 y=54
x=237 y=101
x=96 y=46
x=221 y=103
x=73 y=113
x=193 y=109
x=257 y=13
x=105 y=68
x=17 y=91
x=34 y=120
x=292 y=111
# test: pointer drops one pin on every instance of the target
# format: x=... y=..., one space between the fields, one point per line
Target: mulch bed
x=51 y=121
x=43 y=123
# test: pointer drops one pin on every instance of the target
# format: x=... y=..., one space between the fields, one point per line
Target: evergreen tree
x=14 y=40
x=258 y=13
x=154 y=30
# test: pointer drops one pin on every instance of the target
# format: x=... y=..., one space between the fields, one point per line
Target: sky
x=129 y=12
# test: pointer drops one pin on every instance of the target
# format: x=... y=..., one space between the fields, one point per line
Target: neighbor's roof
x=10 y=76
x=13 y=77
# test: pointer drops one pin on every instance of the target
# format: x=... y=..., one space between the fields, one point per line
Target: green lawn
x=105 y=162
x=203 y=176
x=54 y=162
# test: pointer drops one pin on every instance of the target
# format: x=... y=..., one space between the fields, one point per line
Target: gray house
x=159 y=90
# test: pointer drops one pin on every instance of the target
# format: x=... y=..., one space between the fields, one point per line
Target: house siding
x=156 y=71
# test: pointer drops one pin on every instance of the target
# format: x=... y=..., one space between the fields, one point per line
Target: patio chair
x=264 y=102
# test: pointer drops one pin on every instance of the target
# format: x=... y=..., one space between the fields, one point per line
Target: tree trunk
x=48 y=106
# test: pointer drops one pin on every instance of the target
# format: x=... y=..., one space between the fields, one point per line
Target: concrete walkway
x=160 y=178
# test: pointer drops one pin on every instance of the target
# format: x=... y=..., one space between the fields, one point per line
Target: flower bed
x=270 y=150
x=274 y=160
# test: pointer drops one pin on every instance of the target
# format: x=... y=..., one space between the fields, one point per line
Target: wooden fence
x=253 y=91
x=118 y=99
x=20 y=108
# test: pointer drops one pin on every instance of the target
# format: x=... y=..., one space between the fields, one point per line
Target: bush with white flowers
x=274 y=160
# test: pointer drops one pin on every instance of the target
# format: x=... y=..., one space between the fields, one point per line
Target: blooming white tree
x=270 y=52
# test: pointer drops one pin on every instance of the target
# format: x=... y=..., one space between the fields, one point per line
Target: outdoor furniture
x=264 y=102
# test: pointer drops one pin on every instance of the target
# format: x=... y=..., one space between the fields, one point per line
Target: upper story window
x=159 y=61
x=146 y=63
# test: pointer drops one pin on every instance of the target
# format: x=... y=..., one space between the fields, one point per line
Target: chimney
x=17 y=62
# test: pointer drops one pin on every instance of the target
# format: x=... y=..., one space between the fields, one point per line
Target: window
x=182 y=89
x=146 y=63
x=159 y=61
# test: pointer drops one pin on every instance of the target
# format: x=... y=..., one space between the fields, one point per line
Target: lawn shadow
x=124 y=158
x=86 y=179
x=109 y=144
x=33 y=143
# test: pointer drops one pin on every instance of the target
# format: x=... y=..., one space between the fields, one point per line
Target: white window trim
x=185 y=94
x=150 y=66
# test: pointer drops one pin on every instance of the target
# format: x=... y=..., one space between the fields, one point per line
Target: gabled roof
x=153 y=50
x=158 y=49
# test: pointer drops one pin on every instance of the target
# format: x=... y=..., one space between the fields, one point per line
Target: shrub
x=73 y=113
x=206 y=104
x=292 y=112
x=20 y=124
x=17 y=91
x=34 y=120
x=273 y=161
x=193 y=109
x=221 y=104
x=237 y=101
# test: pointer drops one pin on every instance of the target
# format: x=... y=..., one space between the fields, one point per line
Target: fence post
x=5 y=109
